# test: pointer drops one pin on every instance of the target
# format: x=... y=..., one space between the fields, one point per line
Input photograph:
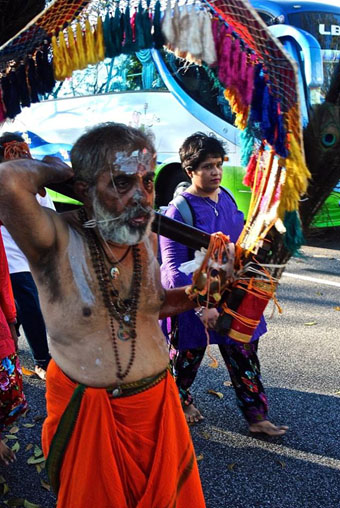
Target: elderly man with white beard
x=115 y=434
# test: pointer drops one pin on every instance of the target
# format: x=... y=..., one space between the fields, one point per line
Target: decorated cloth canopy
x=258 y=78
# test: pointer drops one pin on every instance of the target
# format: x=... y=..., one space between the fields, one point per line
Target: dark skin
x=55 y=245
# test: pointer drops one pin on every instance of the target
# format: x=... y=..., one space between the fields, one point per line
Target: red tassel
x=250 y=174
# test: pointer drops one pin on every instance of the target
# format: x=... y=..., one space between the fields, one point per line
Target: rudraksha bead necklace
x=123 y=311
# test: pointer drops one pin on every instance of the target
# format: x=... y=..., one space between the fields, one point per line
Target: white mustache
x=92 y=223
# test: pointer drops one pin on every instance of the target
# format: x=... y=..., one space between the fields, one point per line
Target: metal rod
x=177 y=231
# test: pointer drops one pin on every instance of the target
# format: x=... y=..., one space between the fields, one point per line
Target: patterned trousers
x=244 y=369
x=12 y=399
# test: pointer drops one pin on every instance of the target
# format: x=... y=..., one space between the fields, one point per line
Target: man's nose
x=140 y=195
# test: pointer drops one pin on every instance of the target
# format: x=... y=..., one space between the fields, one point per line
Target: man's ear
x=82 y=191
x=189 y=172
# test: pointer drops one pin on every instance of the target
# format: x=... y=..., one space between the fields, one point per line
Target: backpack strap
x=184 y=208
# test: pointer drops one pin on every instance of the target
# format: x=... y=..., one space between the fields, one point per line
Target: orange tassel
x=57 y=59
x=80 y=47
x=99 y=40
x=66 y=70
x=90 y=47
x=72 y=49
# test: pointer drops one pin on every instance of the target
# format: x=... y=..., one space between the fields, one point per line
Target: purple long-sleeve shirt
x=229 y=221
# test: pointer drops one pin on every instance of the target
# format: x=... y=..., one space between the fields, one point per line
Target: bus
x=154 y=91
x=310 y=33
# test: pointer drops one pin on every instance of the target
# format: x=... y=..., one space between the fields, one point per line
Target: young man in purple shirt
x=213 y=210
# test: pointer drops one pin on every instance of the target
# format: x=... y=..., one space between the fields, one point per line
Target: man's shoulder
x=71 y=220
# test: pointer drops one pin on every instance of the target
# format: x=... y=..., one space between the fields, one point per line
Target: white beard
x=116 y=228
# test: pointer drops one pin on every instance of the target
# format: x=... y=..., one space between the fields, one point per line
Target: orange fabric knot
x=16 y=150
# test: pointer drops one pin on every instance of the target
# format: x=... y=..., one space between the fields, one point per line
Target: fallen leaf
x=27 y=372
x=2 y=479
x=282 y=464
x=38 y=468
x=337 y=393
x=14 y=430
x=337 y=308
x=231 y=466
x=27 y=504
x=228 y=383
x=214 y=364
x=38 y=418
x=5 y=489
x=35 y=460
x=199 y=457
x=311 y=323
x=206 y=435
x=45 y=485
x=28 y=425
x=218 y=394
x=16 y=501
x=10 y=436
x=37 y=451
x=28 y=447
x=16 y=447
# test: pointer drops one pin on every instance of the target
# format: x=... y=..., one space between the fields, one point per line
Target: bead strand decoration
x=122 y=311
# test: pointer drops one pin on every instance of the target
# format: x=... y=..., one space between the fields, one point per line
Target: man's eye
x=148 y=181
x=122 y=183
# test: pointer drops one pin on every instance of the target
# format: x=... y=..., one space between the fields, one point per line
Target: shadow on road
x=240 y=470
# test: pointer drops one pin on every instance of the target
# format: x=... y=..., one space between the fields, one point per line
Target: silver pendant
x=216 y=212
x=114 y=272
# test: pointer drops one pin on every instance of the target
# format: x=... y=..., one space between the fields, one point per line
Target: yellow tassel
x=90 y=47
x=80 y=47
x=72 y=49
x=297 y=175
x=57 y=60
x=237 y=107
x=66 y=71
x=99 y=40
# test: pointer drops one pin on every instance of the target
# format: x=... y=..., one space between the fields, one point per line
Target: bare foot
x=192 y=414
x=6 y=454
x=266 y=427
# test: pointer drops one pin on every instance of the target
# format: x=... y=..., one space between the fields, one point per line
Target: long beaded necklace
x=123 y=311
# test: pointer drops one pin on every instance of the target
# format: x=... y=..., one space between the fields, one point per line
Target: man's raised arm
x=34 y=228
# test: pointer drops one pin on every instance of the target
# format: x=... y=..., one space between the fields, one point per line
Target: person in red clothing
x=12 y=399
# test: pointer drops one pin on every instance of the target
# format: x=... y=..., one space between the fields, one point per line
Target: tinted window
x=201 y=84
x=324 y=26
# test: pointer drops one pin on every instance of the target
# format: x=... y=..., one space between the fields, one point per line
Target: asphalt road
x=300 y=358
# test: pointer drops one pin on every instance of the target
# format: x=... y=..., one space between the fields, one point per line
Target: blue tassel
x=269 y=116
x=293 y=238
x=280 y=142
x=158 y=37
x=247 y=145
x=108 y=43
x=257 y=99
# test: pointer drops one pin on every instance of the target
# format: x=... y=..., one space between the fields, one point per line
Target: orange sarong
x=128 y=452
